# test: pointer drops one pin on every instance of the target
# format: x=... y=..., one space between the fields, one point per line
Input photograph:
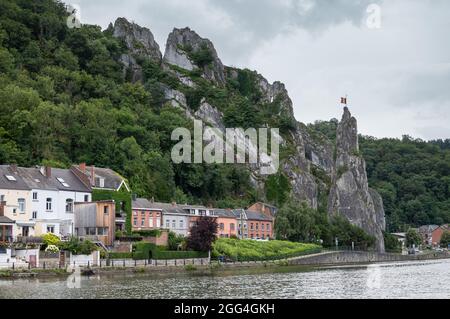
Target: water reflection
x=396 y=280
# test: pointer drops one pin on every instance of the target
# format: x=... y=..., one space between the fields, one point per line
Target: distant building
x=427 y=234
x=96 y=221
x=105 y=184
x=260 y=226
x=266 y=209
x=146 y=216
x=227 y=223
x=41 y=199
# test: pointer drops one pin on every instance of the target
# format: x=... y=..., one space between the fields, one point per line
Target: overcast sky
x=397 y=77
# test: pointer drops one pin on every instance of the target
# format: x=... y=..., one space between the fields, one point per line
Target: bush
x=143 y=250
x=120 y=255
x=163 y=255
x=52 y=249
x=148 y=233
x=77 y=247
x=51 y=240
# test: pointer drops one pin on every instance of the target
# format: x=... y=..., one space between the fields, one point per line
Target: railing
x=104 y=263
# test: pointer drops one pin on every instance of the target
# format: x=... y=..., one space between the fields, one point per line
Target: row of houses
x=40 y=200
x=255 y=222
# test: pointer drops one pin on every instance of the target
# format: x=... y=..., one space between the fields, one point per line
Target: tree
x=203 y=234
x=413 y=238
x=278 y=189
x=391 y=243
x=445 y=239
x=295 y=222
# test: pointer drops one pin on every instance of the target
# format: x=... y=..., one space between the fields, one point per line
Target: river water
x=391 y=280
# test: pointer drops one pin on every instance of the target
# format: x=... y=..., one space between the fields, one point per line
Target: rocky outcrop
x=210 y=115
x=140 y=43
x=380 y=214
x=187 y=50
x=350 y=196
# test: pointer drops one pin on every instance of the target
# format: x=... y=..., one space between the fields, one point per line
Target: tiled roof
x=257 y=216
x=32 y=178
x=112 y=180
x=6 y=220
x=224 y=213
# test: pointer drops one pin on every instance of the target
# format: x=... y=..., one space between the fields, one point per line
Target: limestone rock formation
x=350 y=195
x=140 y=43
x=187 y=50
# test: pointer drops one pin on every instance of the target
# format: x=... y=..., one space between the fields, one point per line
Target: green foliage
x=122 y=198
x=413 y=238
x=176 y=241
x=391 y=243
x=278 y=189
x=445 y=239
x=250 y=250
x=114 y=255
x=148 y=233
x=78 y=247
x=51 y=240
x=201 y=56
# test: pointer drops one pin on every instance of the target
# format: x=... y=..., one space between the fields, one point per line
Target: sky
x=391 y=57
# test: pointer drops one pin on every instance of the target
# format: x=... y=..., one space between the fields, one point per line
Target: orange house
x=436 y=235
x=145 y=215
x=227 y=223
x=259 y=225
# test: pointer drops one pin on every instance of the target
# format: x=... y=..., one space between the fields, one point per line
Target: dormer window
x=63 y=182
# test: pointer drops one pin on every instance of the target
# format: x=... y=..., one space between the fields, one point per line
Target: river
x=427 y=279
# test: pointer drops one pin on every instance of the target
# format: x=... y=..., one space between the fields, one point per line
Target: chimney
x=93 y=175
x=134 y=196
x=13 y=168
x=152 y=200
x=174 y=204
x=83 y=168
x=2 y=208
x=48 y=171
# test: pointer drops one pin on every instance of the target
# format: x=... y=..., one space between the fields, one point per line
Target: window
x=232 y=227
x=268 y=227
x=86 y=198
x=21 y=203
x=202 y=212
x=135 y=213
x=158 y=223
x=150 y=221
x=51 y=229
x=222 y=226
x=174 y=224
x=102 y=231
x=15 y=211
x=251 y=226
x=2 y=198
x=106 y=210
x=48 y=205
x=167 y=223
x=257 y=226
x=91 y=231
x=262 y=226
x=35 y=196
x=135 y=221
x=181 y=224
x=11 y=178
x=142 y=222
x=34 y=215
x=69 y=205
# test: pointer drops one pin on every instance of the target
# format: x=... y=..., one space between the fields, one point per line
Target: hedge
x=148 y=250
x=120 y=255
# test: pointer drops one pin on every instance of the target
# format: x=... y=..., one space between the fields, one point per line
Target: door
x=33 y=261
x=25 y=231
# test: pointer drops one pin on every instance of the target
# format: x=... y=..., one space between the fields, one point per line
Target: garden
x=251 y=250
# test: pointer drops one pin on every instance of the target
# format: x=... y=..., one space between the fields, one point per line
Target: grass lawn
x=251 y=250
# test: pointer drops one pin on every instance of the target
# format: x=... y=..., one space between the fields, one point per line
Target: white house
x=41 y=199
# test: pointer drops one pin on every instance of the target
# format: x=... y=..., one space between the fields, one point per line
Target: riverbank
x=303 y=263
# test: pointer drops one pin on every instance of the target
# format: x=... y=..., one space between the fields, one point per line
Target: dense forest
x=412 y=176
x=64 y=100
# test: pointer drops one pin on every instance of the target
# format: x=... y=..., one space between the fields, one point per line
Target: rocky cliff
x=350 y=195
x=316 y=168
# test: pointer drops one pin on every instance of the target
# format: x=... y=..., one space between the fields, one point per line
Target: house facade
x=95 y=221
x=266 y=209
x=107 y=185
x=40 y=200
x=145 y=215
x=259 y=225
x=227 y=223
